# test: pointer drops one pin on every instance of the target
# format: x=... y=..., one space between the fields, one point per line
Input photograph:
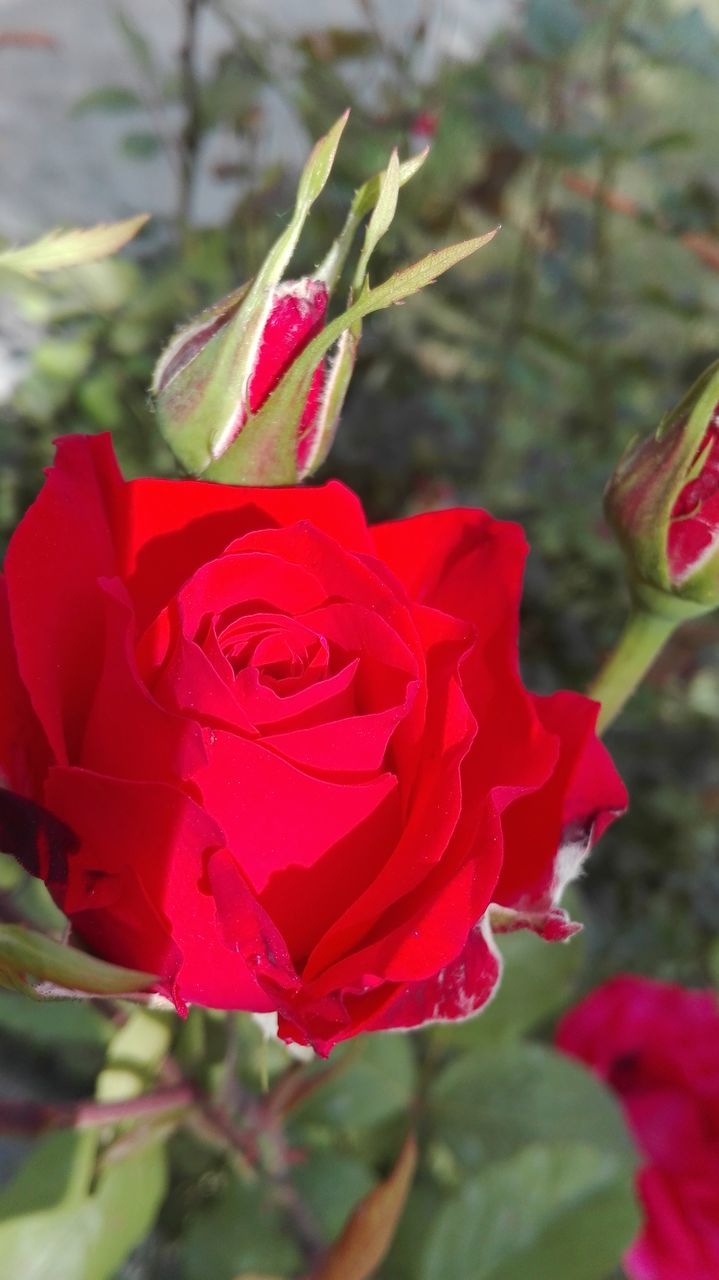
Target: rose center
x=273 y=649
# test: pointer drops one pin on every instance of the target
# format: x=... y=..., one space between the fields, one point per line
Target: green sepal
x=264 y=453
x=28 y=958
x=200 y=405
x=363 y=202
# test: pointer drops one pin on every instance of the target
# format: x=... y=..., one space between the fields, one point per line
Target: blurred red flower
x=657 y=1046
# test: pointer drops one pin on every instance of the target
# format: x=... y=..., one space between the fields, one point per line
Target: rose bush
x=301 y=768
x=657 y=1046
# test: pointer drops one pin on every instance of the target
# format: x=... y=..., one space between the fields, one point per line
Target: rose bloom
x=657 y=1046
x=301 y=768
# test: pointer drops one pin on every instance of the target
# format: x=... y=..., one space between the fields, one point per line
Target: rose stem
x=641 y=641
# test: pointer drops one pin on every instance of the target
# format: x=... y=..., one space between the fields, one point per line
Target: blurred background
x=589 y=130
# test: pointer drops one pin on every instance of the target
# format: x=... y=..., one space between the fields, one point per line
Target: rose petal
x=116 y=821
x=154 y=744
x=173 y=528
x=275 y=817
x=24 y=753
x=355 y=745
x=430 y=823
x=548 y=834
x=459 y=991
x=64 y=543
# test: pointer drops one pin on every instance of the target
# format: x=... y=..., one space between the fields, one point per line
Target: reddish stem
x=36 y=1117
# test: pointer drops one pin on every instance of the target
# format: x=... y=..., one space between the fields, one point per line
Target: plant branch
x=39 y=1117
x=192 y=130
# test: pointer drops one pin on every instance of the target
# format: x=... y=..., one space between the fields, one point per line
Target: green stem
x=643 y=638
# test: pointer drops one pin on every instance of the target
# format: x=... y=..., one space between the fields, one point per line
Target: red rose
x=657 y=1046
x=296 y=754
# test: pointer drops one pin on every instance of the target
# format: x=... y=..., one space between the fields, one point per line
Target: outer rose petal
x=24 y=753
x=471 y=566
x=63 y=544
x=458 y=991
x=173 y=527
x=547 y=835
x=151 y=835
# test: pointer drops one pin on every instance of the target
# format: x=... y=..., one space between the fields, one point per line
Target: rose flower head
x=297 y=765
x=657 y=1046
x=663 y=502
x=251 y=390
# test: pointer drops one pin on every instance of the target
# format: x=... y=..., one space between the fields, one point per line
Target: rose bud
x=663 y=502
x=251 y=391
x=300 y=769
x=293 y=314
x=656 y=1045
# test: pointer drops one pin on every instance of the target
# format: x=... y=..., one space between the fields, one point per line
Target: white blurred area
x=59 y=168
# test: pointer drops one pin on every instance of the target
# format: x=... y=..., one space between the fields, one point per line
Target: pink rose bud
x=663 y=502
x=293 y=314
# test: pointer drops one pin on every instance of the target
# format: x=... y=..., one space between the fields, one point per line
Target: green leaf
x=548 y=1212
x=377 y=1083
x=370 y=1228
x=65 y=359
x=52 y=1225
x=27 y=953
x=552 y=27
x=364 y=200
x=332 y=1185
x=141 y=145
x=242 y=1230
x=59 y=1025
x=489 y=1103
x=56 y=1174
x=136 y=1051
x=685 y=40
x=110 y=98
x=59 y=249
x=136 y=43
